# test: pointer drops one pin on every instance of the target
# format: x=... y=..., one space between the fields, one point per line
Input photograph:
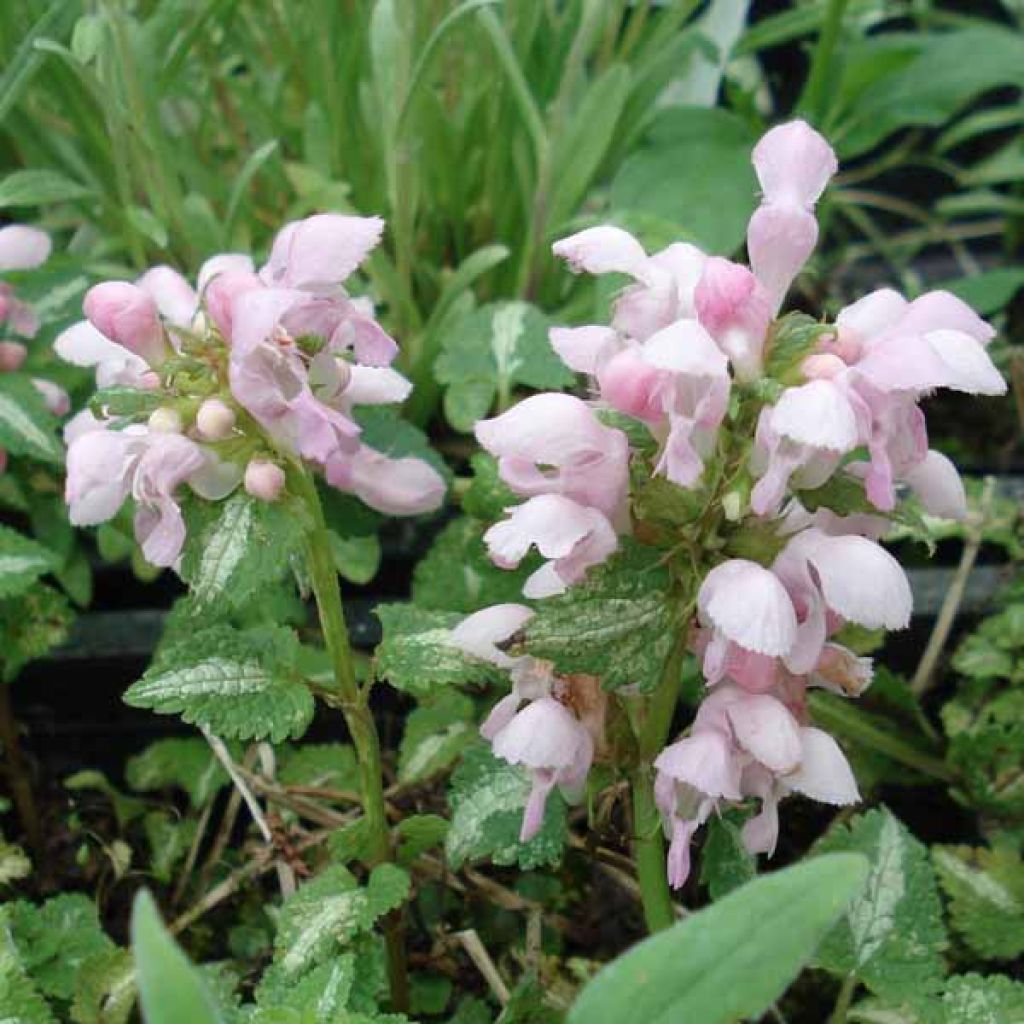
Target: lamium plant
x=701 y=517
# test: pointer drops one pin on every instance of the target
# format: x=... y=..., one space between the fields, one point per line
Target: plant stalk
x=17 y=774
x=814 y=101
x=352 y=700
x=648 y=841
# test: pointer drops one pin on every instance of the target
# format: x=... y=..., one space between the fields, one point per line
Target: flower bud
x=165 y=421
x=221 y=293
x=822 y=366
x=55 y=397
x=264 y=480
x=630 y=385
x=128 y=315
x=12 y=355
x=215 y=420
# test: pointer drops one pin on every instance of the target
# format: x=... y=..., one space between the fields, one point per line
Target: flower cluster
x=239 y=376
x=747 y=411
x=23 y=248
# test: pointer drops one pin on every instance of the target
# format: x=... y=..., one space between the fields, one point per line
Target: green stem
x=648 y=842
x=843 y=1000
x=814 y=101
x=352 y=700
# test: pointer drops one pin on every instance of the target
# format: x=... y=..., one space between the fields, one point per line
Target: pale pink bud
x=215 y=420
x=221 y=293
x=630 y=385
x=822 y=366
x=264 y=480
x=128 y=315
x=12 y=355
x=165 y=421
x=54 y=396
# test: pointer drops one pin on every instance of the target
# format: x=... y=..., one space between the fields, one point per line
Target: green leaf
x=487 y=797
x=417 y=656
x=527 y=1005
x=55 y=939
x=941 y=78
x=188 y=764
x=488 y=495
x=457 y=575
x=240 y=684
x=989 y=291
x=419 y=833
x=105 y=989
x=39 y=188
x=356 y=558
x=26 y=426
x=124 y=401
x=617 y=624
x=322 y=994
x=694 y=172
x=385 y=431
x=170 y=989
x=435 y=735
x=237 y=548
x=725 y=863
x=730 y=960
x=986 y=897
x=20 y=1001
x=14 y=863
x=330 y=765
x=892 y=933
x=22 y=562
x=31 y=624
x=489 y=352
x=169 y=839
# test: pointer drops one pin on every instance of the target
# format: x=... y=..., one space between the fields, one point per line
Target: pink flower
x=793 y=164
x=572 y=536
x=105 y=467
x=554 y=444
x=479 y=636
x=12 y=356
x=747 y=620
x=23 y=248
x=83 y=345
x=665 y=282
x=127 y=315
x=56 y=399
x=554 y=745
x=832 y=579
x=735 y=309
x=398 y=487
x=167 y=462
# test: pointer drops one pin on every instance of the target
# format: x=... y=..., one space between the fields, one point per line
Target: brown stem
x=17 y=774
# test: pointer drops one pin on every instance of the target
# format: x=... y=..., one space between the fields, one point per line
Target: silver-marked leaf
x=27 y=427
x=22 y=562
x=237 y=548
x=240 y=684
x=435 y=734
x=985 y=888
x=417 y=655
x=329 y=911
x=617 y=624
x=892 y=933
x=487 y=798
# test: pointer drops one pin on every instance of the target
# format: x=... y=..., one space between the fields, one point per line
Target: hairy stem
x=648 y=842
x=353 y=702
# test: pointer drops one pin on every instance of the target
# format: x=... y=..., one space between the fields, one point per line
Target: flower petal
x=936 y=482
x=22 y=247
x=749 y=605
x=824 y=773
x=602 y=250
